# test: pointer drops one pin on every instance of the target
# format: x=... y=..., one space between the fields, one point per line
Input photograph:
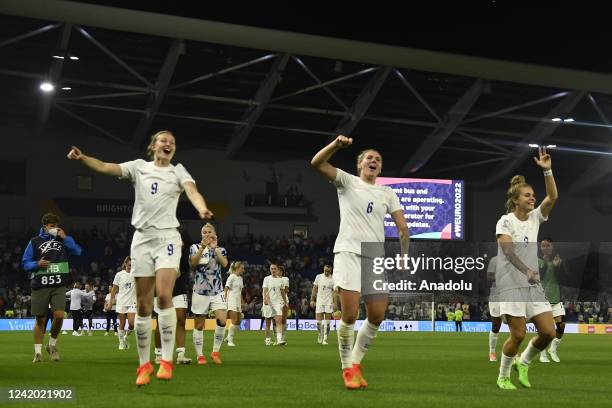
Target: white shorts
x=324 y=308
x=154 y=249
x=523 y=302
x=494 y=309
x=277 y=309
x=347 y=271
x=271 y=310
x=178 y=302
x=236 y=307
x=266 y=312
x=558 y=309
x=122 y=309
x=202 y=305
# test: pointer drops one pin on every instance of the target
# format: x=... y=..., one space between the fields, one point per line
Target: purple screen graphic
x=433 y=208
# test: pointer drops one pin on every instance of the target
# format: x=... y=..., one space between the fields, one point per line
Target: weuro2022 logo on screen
x=433 y=208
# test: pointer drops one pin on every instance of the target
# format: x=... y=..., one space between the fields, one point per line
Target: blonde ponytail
x=516 y=184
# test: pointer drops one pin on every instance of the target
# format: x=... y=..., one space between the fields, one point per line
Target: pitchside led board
x=433 y=208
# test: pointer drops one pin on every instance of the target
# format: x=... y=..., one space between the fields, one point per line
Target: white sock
x=279 y=334
x=492 y=341
x=346 y=340
x=158 y=351
x=554 y=344
x=218 y=340
x=38 y=348
x=121 y=334
x=52 y=341
x=167 y=330
x=127 y=333
x=505 y=366
x=324 y=328
x=198 y=341
x=365 y=335
x=319 y=329
x=180 y=350
x=142 y=325
x=230 y=336
x=530 y=352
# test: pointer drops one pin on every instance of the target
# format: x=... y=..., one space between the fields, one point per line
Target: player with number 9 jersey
x=156 y=245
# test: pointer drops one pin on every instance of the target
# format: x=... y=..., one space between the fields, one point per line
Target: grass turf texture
x=403 y=369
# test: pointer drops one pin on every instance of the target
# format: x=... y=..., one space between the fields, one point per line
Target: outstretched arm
x=545 y=163
x=320 y=161
x=110 y=169
x=197 y=200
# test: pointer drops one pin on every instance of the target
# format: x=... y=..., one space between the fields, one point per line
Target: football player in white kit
x=207 y=258
x=124 y=294
x=275 y=298
x=156 y=245
x=233 y=294
x=323 y=300
x=363 y=206
x=266 y=311
x=517 y=279
x=496 y=320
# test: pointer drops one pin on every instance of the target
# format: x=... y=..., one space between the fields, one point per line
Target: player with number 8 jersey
x=156 y=245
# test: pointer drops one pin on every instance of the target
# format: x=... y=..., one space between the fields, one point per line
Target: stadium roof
x=264 y=94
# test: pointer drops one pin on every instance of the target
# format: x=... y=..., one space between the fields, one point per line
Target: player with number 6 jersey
x=156 y=245
x=363 y=206
x=46 y=258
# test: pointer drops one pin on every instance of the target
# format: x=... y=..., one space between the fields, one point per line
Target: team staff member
x=459 y=319
x=46 y=258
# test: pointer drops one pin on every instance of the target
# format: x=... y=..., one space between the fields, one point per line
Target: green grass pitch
x=403 y=369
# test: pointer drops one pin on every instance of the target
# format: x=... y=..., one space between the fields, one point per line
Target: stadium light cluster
x=47 y=87
x=71 y=57
x=535 y=145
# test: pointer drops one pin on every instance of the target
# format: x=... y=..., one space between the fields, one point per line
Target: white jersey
x=157 y=190
x=491 y=271
x=325 y=289
x=525 y=237
x=127 y=288
x=75 y=298
x=234 y=293
x=363 y=208
x=107 y=299
x=275 y=289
